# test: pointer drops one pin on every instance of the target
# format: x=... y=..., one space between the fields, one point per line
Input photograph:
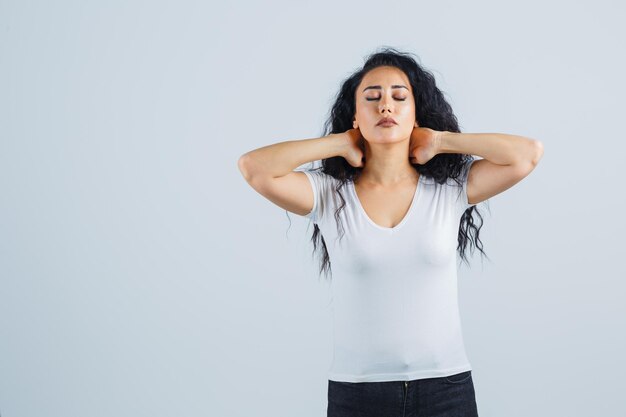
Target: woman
x=396 y=192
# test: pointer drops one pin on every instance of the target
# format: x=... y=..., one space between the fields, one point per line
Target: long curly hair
x=431 y=110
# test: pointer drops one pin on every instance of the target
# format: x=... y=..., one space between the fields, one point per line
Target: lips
x=386 y=121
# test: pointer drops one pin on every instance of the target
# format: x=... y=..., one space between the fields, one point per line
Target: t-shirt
x=393 y=290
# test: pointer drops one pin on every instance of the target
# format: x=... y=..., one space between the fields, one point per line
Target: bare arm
x=281 y=158
x=507 y=160
x=270 y=169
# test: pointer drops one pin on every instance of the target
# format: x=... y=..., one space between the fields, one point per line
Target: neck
x=387 y=164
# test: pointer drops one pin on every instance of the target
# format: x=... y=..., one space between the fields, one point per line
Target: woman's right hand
x=354 y=147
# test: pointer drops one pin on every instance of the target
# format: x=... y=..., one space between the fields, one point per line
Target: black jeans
x=448 y=396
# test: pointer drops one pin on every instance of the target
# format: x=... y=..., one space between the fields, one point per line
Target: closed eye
x=373 y=99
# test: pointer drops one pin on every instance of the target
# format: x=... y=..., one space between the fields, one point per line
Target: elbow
x=529 y=161
x=243 y=165
x=538 y=152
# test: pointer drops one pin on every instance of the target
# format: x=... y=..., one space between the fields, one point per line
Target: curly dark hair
x=431 y=110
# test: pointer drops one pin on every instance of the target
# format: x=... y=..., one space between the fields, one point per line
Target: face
x=385 y=92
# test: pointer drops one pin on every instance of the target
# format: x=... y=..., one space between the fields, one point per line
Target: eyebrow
x=378 y=87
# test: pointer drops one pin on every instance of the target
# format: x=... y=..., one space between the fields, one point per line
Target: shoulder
x=461 y=179
x=326 y=193
x=320 y=180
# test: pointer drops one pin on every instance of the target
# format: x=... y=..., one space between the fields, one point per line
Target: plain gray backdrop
x=142 y=276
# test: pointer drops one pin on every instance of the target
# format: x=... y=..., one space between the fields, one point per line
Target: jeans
x=447 y=396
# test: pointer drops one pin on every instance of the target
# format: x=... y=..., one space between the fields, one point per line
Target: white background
x=140 y=274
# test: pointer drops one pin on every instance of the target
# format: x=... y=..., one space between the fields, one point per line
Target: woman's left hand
x=424 y=144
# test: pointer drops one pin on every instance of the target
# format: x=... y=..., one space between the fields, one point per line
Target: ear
x=355 y=124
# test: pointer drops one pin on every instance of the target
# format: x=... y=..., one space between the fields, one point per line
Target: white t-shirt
x=394 y=290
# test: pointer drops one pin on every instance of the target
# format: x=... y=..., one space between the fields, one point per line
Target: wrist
x=339 y=143
x=445 y=142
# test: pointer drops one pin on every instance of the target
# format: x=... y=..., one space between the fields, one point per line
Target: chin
x=386 y=138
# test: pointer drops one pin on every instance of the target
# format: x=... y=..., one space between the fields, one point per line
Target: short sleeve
x=319 y=184
x=463 y=199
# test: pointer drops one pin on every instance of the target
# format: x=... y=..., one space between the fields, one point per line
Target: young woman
x=396 y=193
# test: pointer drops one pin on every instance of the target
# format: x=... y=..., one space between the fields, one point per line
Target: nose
x=384 y=105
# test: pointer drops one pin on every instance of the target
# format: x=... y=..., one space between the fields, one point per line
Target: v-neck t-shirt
x=394 y=293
